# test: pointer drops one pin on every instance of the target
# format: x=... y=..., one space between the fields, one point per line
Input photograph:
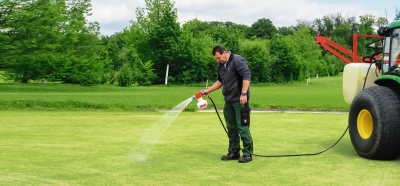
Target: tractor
x=371 y=85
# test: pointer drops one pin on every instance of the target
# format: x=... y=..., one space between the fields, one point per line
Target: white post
x=207 y=84
x=166 y=74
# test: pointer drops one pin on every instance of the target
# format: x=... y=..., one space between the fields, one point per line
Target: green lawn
x=321 y=94
x=55 y=134
x=93 y=148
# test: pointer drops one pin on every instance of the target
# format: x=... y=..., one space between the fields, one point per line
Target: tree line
x=52 y=40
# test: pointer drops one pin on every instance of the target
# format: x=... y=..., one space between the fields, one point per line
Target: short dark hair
x=219 y=49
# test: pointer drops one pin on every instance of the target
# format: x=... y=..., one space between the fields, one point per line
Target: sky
x=115 y=15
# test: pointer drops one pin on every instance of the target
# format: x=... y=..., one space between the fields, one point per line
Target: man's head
x=220 y=54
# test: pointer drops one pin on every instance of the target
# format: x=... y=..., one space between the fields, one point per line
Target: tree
x=308 y=53
x=284 y=60
x=240 y=29
x=52 y=40
x=381 y=21
x=196 y=27
x=262 y=28
x=82 y=46
x=328 y=23
x=256 y=53
x=366 y=27
x=285 y=30
x=144 y=73
x=226 y=37
x=196 y=61
x=29 y=38
x=159 y=22
x=125 y=75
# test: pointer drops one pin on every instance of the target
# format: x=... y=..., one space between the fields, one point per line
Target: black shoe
x=232 y=155
x=245 y=159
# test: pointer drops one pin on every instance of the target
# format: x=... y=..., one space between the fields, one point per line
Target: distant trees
x=262 y=28
x=52 y=40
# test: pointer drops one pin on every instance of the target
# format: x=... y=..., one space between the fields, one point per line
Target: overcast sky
x=114 y=15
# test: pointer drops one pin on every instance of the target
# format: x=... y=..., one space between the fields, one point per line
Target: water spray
x=150 y=137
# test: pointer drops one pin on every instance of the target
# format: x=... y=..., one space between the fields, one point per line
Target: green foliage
x=308 y=53
x=26 y=45
x=196 y=63
x=159 y=20
x=123 y=56
x=52 y=41
x=366 y=27
x=329 y=23
x=335 y=65
x=226 y=37
x=196 y=26
x=85 y=71
x=256 y=53
x=262 y=28
x=285 y=31
x=284 y=60
x=125 y=75
x=138 y=36
x=46 y=39
x=144 y=73
x=381 y=21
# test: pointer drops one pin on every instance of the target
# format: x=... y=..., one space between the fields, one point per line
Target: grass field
x=321 y=94
x=54 y=134
x=93 y=148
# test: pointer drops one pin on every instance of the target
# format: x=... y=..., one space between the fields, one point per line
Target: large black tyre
x=374 y=123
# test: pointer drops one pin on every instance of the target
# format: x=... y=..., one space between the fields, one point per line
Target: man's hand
x=243 y=99
x=204 y=93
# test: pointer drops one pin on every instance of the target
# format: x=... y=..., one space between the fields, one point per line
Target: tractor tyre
x=374 y=123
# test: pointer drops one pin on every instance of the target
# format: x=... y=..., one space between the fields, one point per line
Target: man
x=234 y=78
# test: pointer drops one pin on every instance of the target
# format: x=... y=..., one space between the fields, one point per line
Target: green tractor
x=374 y=95
x=371 y=85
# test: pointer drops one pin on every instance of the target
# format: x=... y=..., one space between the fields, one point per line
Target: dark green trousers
x=236 y=130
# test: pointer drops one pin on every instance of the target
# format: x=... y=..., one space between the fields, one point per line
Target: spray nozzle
x=201 y=103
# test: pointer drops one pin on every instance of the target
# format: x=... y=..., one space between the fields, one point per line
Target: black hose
x=218 y=115
x=281 y=155
x=306 y=154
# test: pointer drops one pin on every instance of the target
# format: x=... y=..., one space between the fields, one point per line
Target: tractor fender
x=390 y=81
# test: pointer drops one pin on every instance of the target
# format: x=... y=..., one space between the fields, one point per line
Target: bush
x=125 y=75
x=144 y=74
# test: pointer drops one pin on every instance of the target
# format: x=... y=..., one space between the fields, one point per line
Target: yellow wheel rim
x=365 y=124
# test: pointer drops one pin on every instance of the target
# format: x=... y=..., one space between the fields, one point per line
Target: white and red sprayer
x=201 y=103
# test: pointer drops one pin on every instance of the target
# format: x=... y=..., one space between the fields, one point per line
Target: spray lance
x=201 y=103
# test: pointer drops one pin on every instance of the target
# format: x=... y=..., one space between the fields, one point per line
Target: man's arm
x=245 y=86
x=215 y=86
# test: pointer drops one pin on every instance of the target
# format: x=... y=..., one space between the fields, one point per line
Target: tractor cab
x=390 y=64
x=393 y=43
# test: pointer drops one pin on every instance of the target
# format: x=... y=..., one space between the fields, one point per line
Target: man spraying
x=234 y=78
